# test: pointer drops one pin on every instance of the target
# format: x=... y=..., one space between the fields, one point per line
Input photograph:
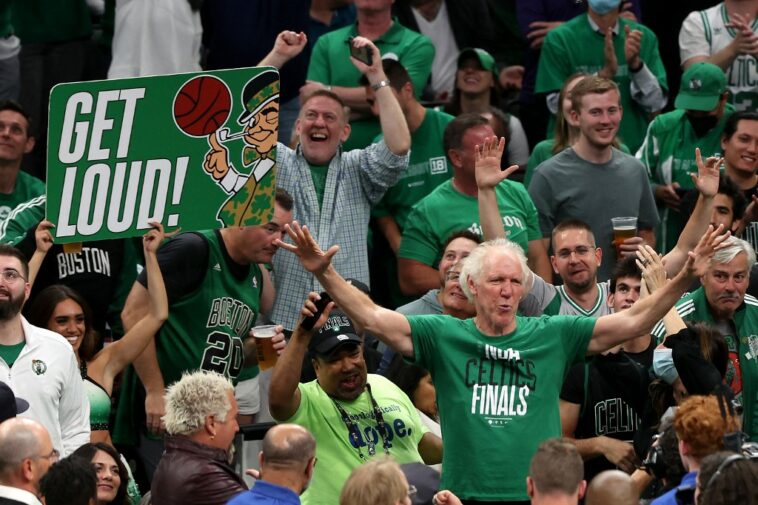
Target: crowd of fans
x=456 y=317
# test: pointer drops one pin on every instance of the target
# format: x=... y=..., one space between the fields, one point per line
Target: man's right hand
x=611 y=62
x=619 y=453
x=216 y=161
x=746 y=41
x=487 y=166
x=155 y=409
x=666 y=194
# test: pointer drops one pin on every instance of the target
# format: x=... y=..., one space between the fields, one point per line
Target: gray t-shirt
x=568 y=187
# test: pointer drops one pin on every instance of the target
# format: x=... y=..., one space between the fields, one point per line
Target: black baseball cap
x=336 y=332
x=10 y=405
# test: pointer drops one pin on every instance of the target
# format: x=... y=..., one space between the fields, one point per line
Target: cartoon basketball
x=202 y=105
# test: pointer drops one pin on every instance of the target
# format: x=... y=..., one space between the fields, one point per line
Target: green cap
x=485 y=59
x=702 y=86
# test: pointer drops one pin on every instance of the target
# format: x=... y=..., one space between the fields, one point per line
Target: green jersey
x=497 y=396
x=27 y=187
x=338 y=454
x=742 y=369
x=446 y=210
x=561 y=57
x=545 y=298
x=428 y=167
x=543 y=151
x=204 y=330
x=668 y=153
x=330 y=64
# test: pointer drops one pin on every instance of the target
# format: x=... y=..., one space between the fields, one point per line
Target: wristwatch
x=381 y=84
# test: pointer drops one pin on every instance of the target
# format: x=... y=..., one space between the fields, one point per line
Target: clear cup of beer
x=623 y=228
x=264 y=346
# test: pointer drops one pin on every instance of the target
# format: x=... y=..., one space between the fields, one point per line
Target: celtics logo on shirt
x=500 y=383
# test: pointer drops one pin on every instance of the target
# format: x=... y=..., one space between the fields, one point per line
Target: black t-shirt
x=611 y=392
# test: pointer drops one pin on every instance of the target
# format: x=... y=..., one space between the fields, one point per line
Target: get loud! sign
x=193 y=151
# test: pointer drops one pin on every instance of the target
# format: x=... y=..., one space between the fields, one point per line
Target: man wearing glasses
x=39 y=365
x=26 y=454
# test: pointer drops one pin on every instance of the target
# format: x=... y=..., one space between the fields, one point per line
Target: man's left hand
x=632 y=46
x=629 y=246
x=707 y=178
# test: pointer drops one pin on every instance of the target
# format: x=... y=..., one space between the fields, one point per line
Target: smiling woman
x=111 y=472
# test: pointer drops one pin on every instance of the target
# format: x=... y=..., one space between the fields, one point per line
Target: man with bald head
x=612 y=486
x=26 y=453
x=286 y=462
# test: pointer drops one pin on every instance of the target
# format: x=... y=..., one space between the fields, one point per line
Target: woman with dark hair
x=476 y=89
x=112 y=475
x=62 y=310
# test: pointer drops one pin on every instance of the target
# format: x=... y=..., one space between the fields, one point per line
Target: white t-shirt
x=704 y=33
x=446 y=50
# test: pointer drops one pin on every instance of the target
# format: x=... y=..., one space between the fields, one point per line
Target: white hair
x=734 y=246
x=197 y=395
x=473 y=263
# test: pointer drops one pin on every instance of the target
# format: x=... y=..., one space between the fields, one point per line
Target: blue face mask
x=603 y=6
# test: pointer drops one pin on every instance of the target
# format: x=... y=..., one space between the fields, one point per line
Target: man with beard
x=668 y=149
x=722 y=303
x=354 y=415
x=39 y=365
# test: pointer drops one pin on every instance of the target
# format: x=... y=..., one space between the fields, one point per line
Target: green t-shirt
x=446 y=210
x=742 y=367
x=27 y=187
x=497 y=396
x=561 y=57
x=428 y=167
x=9 y=353
x=330 y=64
x=336 y=453
x=668 y=153
x=543 y=151
x=318 y=175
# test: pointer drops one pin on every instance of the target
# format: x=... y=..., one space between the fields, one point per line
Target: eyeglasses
x=54 y=454
x=579 y=251
x=412 y=491
x=10 y=275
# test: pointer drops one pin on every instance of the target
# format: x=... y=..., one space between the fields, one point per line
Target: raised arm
x=286 y=46
x=146 y=364
x=115 y=357
x=707 y=183
x=283 y=391
x=394 y=126
x=488 y=176
x=616 y=328
x=389 y=326
x=44 y=241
